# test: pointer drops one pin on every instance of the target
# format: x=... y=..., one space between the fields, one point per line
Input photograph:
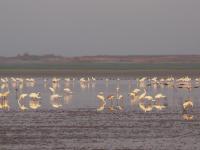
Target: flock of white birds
x=111 y=102
x=148 y=102
x=34 y=97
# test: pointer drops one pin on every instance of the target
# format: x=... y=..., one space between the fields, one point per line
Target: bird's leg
x=111 y=102
x=4 y=101
x=117 y=101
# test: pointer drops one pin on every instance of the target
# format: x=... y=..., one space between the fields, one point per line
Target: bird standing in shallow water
x=22 y=97
x=101 y=98
x=34 y=102
x=55 y=100
x=187 y=104
x=111 y=99
x=4 y=100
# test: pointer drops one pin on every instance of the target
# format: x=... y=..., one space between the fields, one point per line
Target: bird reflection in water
x=67 y=82
x=187 y=109
x=148 y=103
x=67 y=98
x=187 y=117
x=116 y=101
x=55 y=98
x=107 y=82
x=4 y=104
x=67 y=95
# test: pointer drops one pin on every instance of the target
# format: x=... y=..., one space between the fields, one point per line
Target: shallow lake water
x=72 y=122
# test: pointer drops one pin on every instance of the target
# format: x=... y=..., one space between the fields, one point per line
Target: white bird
x=148 y=98
x=4 y=105
x=142 y=79
x=54 y=99
x=4 y=95
x=20 y=80
x=120 y=97
x=34 y=102
x=154 y=80
x=4 y=102
x=101 y=98
x=145 y=108
x=93 y=79
x=68 y=91
x=3 y=80
x=160 y=96
x=187 y=104
x=52 y=90
x=162 y=80
x=67 y=79
x=30 y=80
x=142 y=95
x=13 y=79
x=136 y=91
x=55 y=80
x=35 y=95
x=83 y=80
x=21 y=97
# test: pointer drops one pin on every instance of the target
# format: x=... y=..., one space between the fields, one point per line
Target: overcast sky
x=92 y=27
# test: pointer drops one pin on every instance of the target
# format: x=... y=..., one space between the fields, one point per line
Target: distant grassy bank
x=100 y=66
x=100 y=69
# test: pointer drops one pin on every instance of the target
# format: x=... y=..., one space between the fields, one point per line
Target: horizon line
x=113 y=55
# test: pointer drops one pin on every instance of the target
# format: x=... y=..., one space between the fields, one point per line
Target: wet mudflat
x=72 y=121
x=88 y=129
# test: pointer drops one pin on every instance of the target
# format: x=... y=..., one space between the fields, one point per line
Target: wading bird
x=53 y=91
x=22 y=97
x=119 y=98
x=34 y=102
x=159 y=96
x=55 y=100
x=142 y=95
x=102 y=103
x=111 y=99
x=4 y=105
x=145 y=108
x=4 y=100
x=68 y=91
x=55 y=80
x=187 y=104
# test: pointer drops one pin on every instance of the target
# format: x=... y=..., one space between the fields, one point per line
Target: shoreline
x=99 y=73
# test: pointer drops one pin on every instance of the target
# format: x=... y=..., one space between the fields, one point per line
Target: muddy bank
x=87 y=129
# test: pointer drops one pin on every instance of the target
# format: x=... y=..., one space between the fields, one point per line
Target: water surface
x=77 y=125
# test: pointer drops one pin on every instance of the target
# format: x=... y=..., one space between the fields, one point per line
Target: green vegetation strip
x=101 y=66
